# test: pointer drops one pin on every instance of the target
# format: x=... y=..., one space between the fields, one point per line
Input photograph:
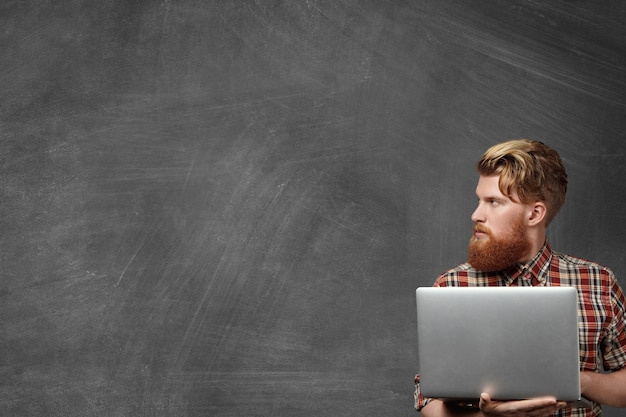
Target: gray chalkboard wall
x=222 y=208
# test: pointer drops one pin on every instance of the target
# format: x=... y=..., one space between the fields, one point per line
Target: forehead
x=489 y=187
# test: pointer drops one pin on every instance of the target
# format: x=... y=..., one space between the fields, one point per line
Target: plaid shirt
x=601 y=308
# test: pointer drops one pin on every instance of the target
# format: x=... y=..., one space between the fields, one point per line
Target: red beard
x=496 y=254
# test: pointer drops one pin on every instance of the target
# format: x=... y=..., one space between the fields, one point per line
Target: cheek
x=497 y=232
x=501 y=228
x=497 y=226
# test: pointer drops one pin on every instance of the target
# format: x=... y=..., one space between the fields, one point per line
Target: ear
x=537 y=213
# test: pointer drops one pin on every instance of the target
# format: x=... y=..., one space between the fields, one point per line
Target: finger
x=535 y=406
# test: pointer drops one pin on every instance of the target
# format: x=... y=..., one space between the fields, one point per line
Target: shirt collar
x=535 y=271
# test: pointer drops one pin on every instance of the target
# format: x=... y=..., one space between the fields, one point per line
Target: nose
x=477 y=215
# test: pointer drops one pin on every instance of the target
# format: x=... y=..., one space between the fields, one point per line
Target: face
x=499 y=237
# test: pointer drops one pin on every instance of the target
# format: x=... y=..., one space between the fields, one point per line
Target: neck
x=537 y=238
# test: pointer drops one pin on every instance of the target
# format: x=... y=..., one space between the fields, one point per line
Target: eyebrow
x=493 y=197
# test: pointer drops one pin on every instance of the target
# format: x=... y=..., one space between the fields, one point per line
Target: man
x=521 y=187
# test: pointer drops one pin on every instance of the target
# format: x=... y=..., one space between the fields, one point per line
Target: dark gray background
x=222 y=208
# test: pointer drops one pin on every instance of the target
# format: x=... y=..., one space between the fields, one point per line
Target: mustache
x=481 y=229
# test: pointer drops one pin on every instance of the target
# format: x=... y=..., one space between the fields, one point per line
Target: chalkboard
x=222 y=208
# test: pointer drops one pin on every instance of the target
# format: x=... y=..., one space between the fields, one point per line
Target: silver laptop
x=511 y=342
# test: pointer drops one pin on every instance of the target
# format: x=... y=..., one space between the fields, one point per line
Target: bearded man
x=521 y=188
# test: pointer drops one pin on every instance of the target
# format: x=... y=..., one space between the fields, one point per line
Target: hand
x=536 y=407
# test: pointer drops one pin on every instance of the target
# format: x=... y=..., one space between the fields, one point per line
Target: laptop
x=510 y=342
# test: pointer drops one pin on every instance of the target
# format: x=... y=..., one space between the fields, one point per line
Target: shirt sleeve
x=420 y=400
x=614 y=343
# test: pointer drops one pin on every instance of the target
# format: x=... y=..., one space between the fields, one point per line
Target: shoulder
x=461 y=276
x=459 y=270
x=462 y=268
x=589 y=276
x=565 y=261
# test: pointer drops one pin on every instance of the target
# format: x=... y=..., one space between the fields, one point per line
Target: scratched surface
x=222 y=208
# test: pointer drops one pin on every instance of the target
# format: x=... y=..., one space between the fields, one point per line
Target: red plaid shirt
x=601 y=308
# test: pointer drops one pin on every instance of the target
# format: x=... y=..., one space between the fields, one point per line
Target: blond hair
x=529 y=167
